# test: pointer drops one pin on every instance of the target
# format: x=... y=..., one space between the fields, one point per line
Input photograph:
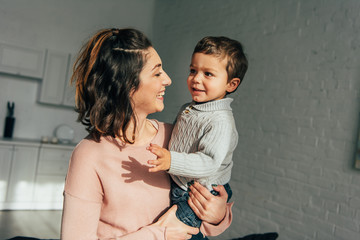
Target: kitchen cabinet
x=22 y=61
x=54 y=83
x=53 y=67
x=50 y=178
x=69 y=93
x=21 y=179
x=5 y=165
x=32 y=175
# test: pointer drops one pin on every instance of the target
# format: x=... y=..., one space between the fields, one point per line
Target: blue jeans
x=184 y=212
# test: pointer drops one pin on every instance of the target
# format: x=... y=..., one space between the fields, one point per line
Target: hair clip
x=127 y=50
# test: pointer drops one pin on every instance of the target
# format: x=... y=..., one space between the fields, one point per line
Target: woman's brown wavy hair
x=105 y=73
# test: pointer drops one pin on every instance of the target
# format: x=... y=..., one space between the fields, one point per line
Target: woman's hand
x=206 y=206
x=175 y=229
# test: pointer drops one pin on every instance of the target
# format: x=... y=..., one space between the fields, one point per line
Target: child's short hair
x=224 y=47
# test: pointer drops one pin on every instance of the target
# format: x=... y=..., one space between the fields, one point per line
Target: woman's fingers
x=175 y=229
x=206 y=206
x=195 y=205
x=191 y=230
x=221 y=190
x=200 y=192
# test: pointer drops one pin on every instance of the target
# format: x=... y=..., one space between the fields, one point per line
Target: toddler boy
x=204 y=136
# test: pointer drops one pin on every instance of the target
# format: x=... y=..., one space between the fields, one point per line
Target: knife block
x=9 y=127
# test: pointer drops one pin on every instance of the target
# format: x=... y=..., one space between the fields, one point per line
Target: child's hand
x=163 y=158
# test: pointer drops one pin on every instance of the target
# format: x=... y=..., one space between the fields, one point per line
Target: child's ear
x=233 y=84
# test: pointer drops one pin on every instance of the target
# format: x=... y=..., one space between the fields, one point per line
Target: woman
x=109 y=191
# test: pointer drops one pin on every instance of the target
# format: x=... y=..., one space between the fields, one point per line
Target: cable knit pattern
x=202 y=143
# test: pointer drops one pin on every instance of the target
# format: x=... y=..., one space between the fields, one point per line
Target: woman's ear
x=233 y=84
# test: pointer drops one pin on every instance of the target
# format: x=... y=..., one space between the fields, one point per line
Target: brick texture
x=297 y=111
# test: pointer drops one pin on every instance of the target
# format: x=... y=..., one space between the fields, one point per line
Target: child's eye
x=192 y=71
x=208 y=74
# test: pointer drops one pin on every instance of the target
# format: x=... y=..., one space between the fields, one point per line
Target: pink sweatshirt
x=110 y=193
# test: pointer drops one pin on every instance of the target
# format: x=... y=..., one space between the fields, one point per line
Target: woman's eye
x=158 y=74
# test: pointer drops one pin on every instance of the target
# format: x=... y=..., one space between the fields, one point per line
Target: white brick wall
x=297 y=111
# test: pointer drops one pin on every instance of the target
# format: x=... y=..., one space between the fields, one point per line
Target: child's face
x=208 y=78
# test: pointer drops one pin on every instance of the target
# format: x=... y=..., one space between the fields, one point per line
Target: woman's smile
x=161 y=95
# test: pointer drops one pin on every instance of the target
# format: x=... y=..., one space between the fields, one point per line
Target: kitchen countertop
x=35 y=143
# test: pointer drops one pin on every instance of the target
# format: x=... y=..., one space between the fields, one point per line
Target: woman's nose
x=166 y=80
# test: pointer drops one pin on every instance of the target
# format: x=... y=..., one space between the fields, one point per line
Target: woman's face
x=149 y=98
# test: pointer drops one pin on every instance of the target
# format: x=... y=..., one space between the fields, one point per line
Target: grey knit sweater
x=202 y=143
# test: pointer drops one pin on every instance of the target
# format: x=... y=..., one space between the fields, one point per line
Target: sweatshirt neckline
x=123 y=145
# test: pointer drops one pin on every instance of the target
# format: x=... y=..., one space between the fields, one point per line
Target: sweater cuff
x=177 y=166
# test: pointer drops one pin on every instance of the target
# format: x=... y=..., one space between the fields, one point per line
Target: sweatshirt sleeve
x=218 y=141
x=209 y=229
x=81 y=218
x=82 y=197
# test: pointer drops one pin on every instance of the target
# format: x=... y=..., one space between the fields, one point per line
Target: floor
x=38 y=224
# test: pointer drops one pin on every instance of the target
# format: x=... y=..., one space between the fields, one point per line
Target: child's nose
x=196 y=78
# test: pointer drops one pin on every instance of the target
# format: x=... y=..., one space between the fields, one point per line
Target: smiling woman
x=109 y=190
x=153 y=80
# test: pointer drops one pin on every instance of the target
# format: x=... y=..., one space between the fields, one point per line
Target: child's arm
x=214 y=148
x=163 y=160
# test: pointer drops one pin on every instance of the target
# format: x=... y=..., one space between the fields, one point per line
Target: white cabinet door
x=53 y=161
x=5 y=164
x=22 y=61
x=49 y=192
x=50 y=178
x=69 y=94
x=53 y=84
x=22 y=175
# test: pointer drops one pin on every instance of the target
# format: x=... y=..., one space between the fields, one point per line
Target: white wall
x=60 y=25
x=297 y=110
